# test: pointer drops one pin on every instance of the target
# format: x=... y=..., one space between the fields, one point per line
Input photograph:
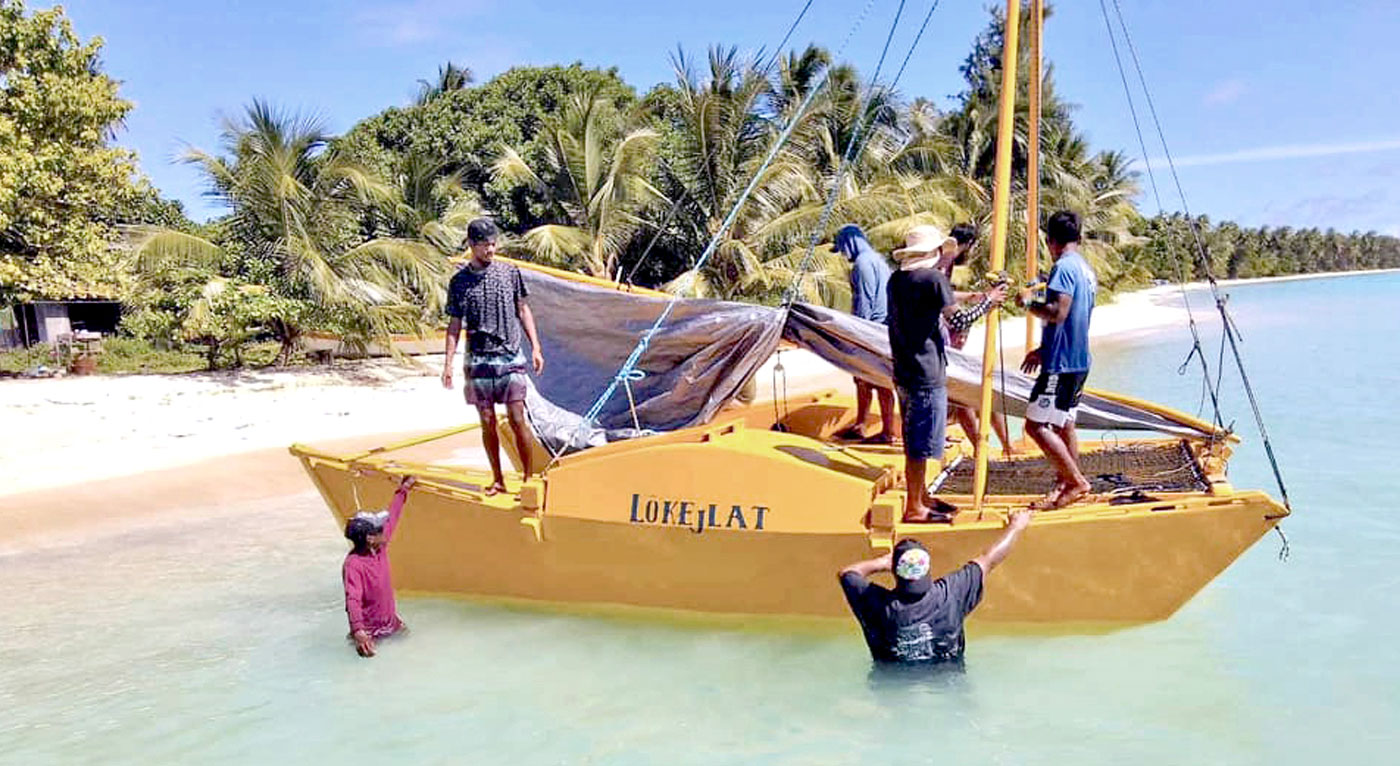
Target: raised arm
x=869 y=567
x=1055 y=308
x=961 y=316
x=396 y=506
x=990 y=558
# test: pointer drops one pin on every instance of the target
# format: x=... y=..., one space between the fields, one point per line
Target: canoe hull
x=758 y=523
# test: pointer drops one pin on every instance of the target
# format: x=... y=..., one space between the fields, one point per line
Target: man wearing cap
x=965 y=234
x=487 y=298
x=369 y=594
x=920 y=298
x=1063 y=358
x=869 y=276
x=921 y=619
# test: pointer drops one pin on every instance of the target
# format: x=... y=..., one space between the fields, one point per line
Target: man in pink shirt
x=369 y=595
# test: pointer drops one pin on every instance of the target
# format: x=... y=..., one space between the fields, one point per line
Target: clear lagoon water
x=221 y=640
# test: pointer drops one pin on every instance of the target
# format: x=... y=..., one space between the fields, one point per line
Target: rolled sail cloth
x=862 y=348
x=699 y=358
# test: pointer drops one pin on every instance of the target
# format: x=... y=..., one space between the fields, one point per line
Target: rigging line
x=847 y=160
x=778 y=51
x=1228 y=327
x=1157 y=197
x=764 y=72
x=645 y=340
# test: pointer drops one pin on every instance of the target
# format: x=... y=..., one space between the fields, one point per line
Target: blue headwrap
x=851 y=242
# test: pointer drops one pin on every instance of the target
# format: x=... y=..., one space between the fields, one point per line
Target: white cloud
x=413 y=21
x=1225 y=92
x=1284 y=152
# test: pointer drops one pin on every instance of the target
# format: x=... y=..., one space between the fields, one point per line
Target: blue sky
x=1280 y=112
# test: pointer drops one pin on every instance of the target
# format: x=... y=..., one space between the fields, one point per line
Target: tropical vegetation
x=352 y=234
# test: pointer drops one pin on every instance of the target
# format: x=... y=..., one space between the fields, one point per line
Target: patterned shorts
x=495 y=379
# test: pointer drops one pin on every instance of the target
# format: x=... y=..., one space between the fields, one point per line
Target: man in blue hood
x=870 y=272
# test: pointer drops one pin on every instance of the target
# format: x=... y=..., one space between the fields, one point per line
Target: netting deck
x=1168 y=467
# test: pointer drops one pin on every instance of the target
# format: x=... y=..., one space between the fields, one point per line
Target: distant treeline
x=1170 y=250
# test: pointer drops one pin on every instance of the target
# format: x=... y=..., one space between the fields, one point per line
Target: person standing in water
x=921 y=619
x=369 y=593
x=487 y=298
x=869 y=277
x=1063 y=358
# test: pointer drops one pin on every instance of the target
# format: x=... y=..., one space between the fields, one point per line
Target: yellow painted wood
x=1001 y=215
x=630 y=525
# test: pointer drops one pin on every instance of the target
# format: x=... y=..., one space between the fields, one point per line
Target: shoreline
x=105 y=454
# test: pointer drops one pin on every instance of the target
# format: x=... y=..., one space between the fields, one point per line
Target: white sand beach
x=77 y=445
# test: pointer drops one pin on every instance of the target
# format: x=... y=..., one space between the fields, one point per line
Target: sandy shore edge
x=87 y=450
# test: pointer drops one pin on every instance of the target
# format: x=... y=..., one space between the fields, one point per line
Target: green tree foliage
x=296 y=207
x=63 y=186
x=596 y=170
x=465 y=130
x=1170 y=247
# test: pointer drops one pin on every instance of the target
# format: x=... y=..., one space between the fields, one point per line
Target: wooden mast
x=1033 y=163
x=1000 y=218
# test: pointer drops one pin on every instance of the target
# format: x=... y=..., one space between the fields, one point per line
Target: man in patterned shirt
x=488 y=298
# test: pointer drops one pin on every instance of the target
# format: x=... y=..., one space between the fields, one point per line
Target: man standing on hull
x=1063 y=358
x=921 y=297
x=965 y=234
x=487 y=298
x=869 y=277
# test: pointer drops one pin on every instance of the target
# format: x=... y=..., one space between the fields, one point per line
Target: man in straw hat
x=921 y=619
x=920 y=298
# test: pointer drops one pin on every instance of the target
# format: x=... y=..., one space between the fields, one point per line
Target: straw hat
x=921 y=241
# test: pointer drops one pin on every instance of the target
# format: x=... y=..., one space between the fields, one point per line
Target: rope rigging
x=1197 y=351
x=1228 y=328
x=855 y=146
x=629 y=366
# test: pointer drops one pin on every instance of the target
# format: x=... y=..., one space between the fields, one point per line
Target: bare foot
x=496 y=489
x=1073 y=495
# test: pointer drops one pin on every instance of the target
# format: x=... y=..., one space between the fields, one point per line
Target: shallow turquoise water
x=220 y=641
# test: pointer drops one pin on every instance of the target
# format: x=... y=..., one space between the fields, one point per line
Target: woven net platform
x=1168 y=467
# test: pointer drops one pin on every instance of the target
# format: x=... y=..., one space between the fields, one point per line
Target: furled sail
x=700 y=358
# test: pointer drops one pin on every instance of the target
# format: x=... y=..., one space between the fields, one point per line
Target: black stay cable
x=1197 y=350
x=1227 y=324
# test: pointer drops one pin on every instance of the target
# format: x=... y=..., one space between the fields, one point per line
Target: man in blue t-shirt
x=869 y=274
x=1063 y=358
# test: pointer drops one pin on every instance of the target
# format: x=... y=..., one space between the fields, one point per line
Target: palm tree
x=596 y=171
x=450 y=77
x=719 y=126
x=295 y=206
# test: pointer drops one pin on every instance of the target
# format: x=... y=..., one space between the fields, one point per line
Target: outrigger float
x=678 y=496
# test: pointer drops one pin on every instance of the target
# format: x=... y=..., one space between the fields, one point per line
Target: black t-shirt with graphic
x=926 y=628
x=487 y=301
x=916 y=301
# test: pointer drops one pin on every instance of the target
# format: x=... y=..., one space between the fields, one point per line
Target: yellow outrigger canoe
x=753 y=511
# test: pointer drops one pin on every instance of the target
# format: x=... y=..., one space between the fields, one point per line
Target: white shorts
x=1055 y=398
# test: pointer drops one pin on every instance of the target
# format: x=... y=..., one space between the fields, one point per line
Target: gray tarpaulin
x=705 y=351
